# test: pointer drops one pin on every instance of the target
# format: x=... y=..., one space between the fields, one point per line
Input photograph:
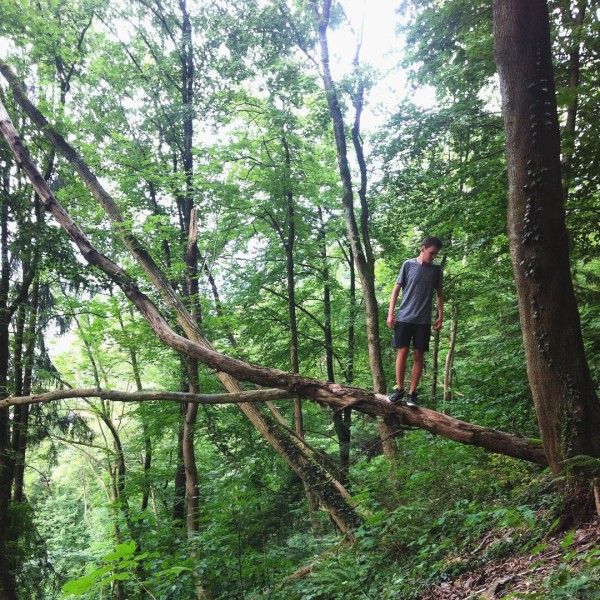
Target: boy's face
x=428 y=254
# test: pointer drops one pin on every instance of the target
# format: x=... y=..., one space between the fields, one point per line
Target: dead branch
x=147 y=396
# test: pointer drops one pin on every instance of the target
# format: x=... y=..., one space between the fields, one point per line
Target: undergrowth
x=442 y=511
x=455 y=510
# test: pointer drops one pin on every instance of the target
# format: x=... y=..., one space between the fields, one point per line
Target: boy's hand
x=438 y=324
x=390 y=321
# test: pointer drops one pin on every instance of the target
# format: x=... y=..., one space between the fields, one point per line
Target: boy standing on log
x=418 y=278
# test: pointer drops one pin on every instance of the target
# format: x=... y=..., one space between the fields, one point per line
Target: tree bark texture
x=563 y=392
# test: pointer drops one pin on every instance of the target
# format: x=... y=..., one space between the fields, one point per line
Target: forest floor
x=524 y=575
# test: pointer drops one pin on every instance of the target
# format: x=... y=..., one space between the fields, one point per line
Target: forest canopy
x=199 y=237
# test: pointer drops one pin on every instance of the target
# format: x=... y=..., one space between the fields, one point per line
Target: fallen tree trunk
x=336 y=395
x=339 y=397
x=332 y=495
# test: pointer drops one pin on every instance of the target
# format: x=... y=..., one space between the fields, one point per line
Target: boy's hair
x=432 y=240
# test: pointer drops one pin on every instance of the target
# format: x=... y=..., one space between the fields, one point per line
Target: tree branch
x=147 y=396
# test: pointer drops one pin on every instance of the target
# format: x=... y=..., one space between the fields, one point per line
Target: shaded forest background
x=209 y=128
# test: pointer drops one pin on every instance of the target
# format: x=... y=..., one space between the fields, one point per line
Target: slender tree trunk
x=190 y=229
x=7 y=587
x=566 y=403
x=219 y=305
x=191 y=260
x=288 y=239
x=189 y=452
x=191 y=470
x=147 y=466
x=179 y=481
x=342 y=423
x=191 y=411
x=120 y=470
x=289 y=243
x=389 y=426
x=18 y=359
x=435 y=361
x=25 y=344
x=112 y=493
x=360 y=248
x=20 y=443
x=448 y=370
x=341 y=418
x=325 y=276
x=435 y=369
x=352 y=315
x=133 y=357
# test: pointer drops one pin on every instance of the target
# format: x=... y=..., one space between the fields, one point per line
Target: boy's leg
x=417 y=369
x=401 y=359
x=400 y=341
x=420 y=345
x=398 y=392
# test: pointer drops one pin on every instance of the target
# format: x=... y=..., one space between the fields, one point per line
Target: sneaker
x=396 y=395
x=412 y=400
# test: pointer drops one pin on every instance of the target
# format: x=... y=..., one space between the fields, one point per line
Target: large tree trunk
x=563 y=392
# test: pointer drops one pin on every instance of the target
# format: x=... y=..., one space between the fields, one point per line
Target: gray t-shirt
x=418 y=283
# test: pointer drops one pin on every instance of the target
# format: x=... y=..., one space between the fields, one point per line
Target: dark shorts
x=404 y=333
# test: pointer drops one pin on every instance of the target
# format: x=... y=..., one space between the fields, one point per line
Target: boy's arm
x=391 y=317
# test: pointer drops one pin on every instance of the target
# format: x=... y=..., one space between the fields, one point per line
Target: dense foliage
x=214 y=113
